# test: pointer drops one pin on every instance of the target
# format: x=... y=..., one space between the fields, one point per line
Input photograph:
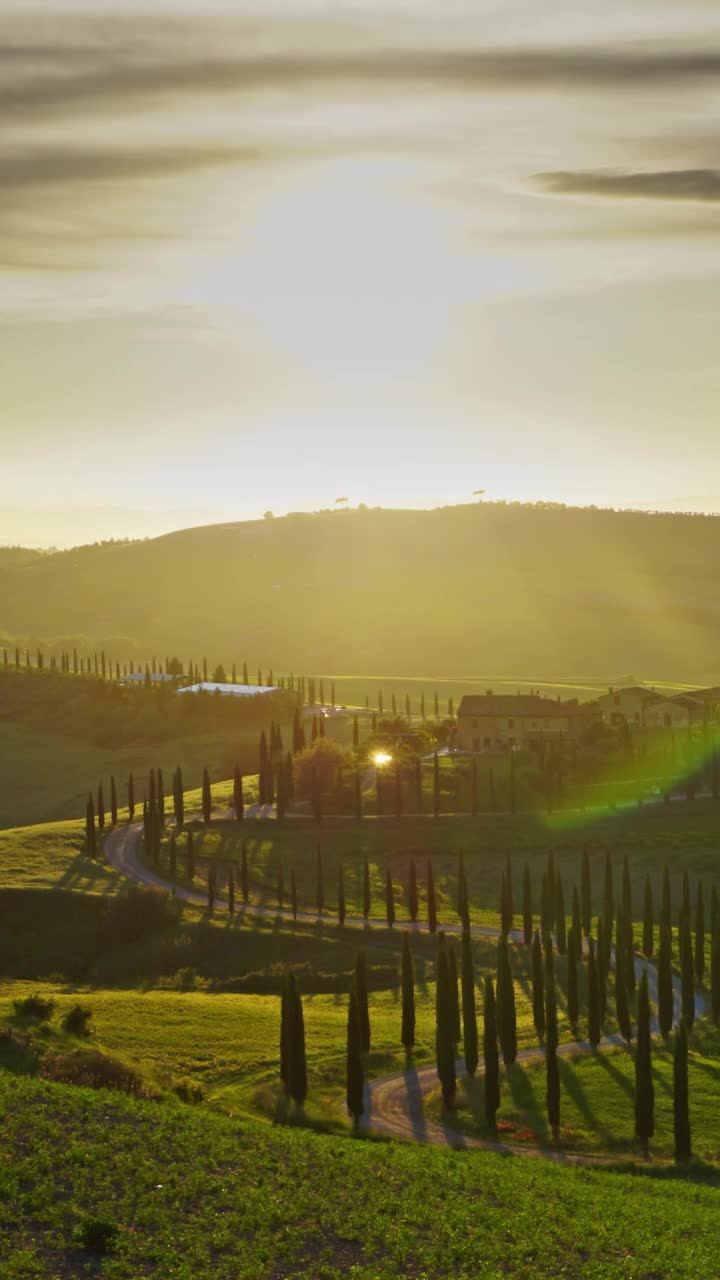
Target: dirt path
x=394 y=1104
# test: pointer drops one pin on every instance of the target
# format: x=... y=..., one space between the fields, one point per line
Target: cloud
x=122 y=77
x=63 y=165
x=672 y=184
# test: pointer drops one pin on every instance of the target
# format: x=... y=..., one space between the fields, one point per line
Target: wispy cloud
x=672 y=184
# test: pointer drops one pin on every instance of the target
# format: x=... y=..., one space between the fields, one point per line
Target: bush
x=76 y=1021
x=188 y=1091
x=96 y=1234
x=185 y=979
x=92 y=1069
x=35 y=1006
x=137 y=914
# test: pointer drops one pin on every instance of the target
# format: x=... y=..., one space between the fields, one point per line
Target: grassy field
x=47 y=775
x=197 y=1196
x=597 y=1094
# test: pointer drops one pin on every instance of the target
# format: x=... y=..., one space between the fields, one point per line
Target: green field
x=197 y=1196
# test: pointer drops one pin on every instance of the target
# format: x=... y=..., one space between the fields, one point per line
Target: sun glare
x=381 y=757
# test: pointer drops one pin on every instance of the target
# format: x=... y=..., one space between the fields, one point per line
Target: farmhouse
x=487 y=722
x=644 y=708
x=230 y=690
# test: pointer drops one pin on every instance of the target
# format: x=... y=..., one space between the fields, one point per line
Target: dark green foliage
x=407 y=982
x=230 y=889
x=90 y=836
x=491 y=1057
x=664 y=981
x=551 y=1018
x=687 y=972
x=96 y=1235
x=576 y=920
x=463 y=905
x=560 y=924
x=211 y=886
x=77 y=1021
x=509 y=889
x=715 y=960
x=681 y=1108
x=648 y=942
x=361 y=990
x=280 y=889
x=436 y=783
x=190 y=857
x=608 y=896
x=527 y=906
x=355 y=1078
x=444 y=1041
x=285 y=1031
x=546 y=915
x=538 y=987
x=160 y=800
x=431 y=900
x=644 y=1088
x=319 y=887
x=113 y=803
x=206 y=797
x=238 y=798
x=244 y=877
x=585 y=894
x=34 y=1008
x=172 y=856
x=454 y=1002
x=296 y=1057
x=593 y=998
x=621 y=995
x=552 y=1091
x=469 y=1015
x=131 y=798
x=573 y=1011
x=358 y=795
x=602 y=956
x=389 y=899
x=666 y=907
x=505 y=913
x=412 y=891
x=100 y=809
x=366 y=890
x=341 y=896
x=700 y=935
x=507 y=1020
x=293 y=894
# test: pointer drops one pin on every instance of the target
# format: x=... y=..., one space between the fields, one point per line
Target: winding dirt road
x=394 y=1104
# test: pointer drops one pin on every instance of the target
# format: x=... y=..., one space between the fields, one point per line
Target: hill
x=541 y=590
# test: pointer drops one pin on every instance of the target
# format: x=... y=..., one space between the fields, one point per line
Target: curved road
x=394 y=1104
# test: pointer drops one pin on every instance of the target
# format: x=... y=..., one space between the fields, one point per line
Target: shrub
x=92 y=1069
x=96 y=1234
x=76 y=1021
x=185 y=979
x=188 y=1091
x=35 y=1006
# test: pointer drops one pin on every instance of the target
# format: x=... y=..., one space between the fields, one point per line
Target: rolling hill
x=545 y=591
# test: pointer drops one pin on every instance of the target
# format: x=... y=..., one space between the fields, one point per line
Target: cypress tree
x=190 y=856
x=666 y=908
x=361 y=988
x=160 y=800
x=90 y=837
x=551 y=1019
x=546 y=921
x=507 y=1021
x=436 y=785
x=319 y=888
x=285 y=1031
x=412 y=891
x=621 y=996
x=206 y=797
x=572 y=977
x=552 y=1091
x=576 y=921
x=100 y=808
x=398 y=792
x=431 y=900
x=341 y=896
x=418 y=785
x=389 y=899
x=560 y=925
x=644 y=1089
x=664 y=981
x=173 y=856
x=408 y=996
x=210 y=885
x=178 y=798
x=602 y=956
x=316 y=797
x=505 y=917
x=230 y=886
x=355 y=1078
x=509 y=889
x=463 y=906
x=491 y=1057
x=527 y=906
x=470 y=1031
x=454 y=1003
x=700 y=935
x=366 y=890
x=244 y=878
x=715 y=960
x=297 y=1061
x=608 y=896
x=681 y=1109
x=444 y=1043
x=293 y=894
x=358 y=796
x=280 y=888
x=687 y=974
x=551 y=891
x=113 y=802
x=538 y=987
x=648 y=943
x=585 y=894
x=593 y=999
x=238 y=797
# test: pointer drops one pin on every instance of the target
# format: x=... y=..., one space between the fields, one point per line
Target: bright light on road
x=382 y=757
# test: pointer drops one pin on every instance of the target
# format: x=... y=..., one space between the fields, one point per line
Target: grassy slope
x=529 y=590
x=198 y=1197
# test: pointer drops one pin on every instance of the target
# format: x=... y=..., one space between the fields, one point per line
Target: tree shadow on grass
x=572 y=1086
x=86 y=875
x=625 y=1083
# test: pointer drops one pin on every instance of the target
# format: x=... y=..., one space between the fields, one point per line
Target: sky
x=259 y=255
